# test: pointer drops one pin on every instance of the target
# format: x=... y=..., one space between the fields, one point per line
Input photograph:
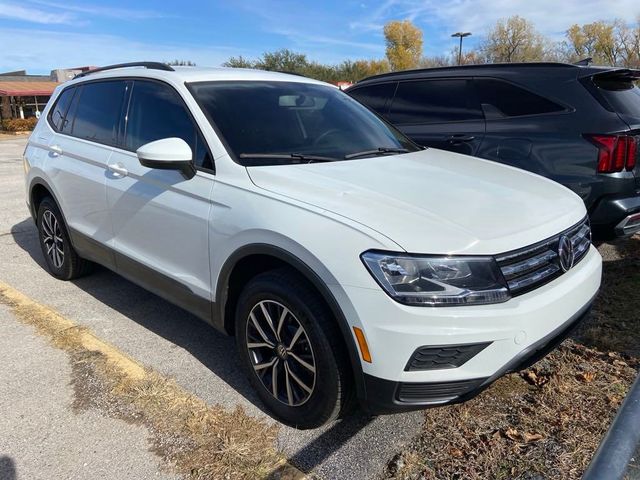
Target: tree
x=181 y=63
x=283 y=60
x=404 y=44
x=607 y=43
x=597 y=40
x=513 y=40
x=352 y=71
x=629 y=42
x=239 y=62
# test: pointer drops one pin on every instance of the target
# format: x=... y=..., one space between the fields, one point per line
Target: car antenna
x=584 y=62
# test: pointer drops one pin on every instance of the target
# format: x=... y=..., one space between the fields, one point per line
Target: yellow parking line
x=60 y=329
x=225 y=444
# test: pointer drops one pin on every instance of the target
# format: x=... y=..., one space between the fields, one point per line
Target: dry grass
x=195 y=439
x=545 y=422
x=615 y=323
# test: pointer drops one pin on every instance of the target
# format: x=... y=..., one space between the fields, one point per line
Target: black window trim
x=471 y=86
x=124 y=110
x=566 y=108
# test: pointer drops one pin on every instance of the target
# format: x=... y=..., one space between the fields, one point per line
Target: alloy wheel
x=280 y=352
x=52 y=238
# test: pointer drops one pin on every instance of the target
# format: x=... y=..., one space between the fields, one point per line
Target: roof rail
x=468 y=67
x=151 y=65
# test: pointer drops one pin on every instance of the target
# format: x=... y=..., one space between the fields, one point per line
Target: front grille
x=446 y=356
x=531 y=267
x=436 y=392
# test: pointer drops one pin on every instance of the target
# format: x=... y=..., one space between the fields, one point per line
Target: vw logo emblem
x=565 y=253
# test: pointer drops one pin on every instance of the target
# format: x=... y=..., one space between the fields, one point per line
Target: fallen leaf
x=614 y=400
x=587 y=377
x=512 y=434
x=534 y=379
x=456 y=452
x=531 y=437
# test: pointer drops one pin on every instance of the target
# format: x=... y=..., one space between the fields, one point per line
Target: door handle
x=55 y=150
x=460 y=138
x=118 y=169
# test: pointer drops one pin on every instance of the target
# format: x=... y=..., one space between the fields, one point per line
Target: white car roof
x=197 y=74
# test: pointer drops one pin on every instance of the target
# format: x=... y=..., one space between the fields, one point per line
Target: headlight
x=438 y=281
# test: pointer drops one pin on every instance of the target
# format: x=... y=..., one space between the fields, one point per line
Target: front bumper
x=463 y=349
x=386 y=396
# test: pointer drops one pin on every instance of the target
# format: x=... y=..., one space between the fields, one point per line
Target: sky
x=40 y=35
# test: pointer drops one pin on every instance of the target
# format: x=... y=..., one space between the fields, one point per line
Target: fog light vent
x=444 y=356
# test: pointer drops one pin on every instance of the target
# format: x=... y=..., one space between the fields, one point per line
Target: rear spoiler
x=616 y=74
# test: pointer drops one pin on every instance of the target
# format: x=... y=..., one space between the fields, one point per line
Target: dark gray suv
x=578 y=125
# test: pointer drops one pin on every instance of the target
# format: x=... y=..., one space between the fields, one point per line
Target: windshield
x=271 y=123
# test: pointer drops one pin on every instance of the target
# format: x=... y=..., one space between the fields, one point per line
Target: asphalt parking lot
x=155 y=334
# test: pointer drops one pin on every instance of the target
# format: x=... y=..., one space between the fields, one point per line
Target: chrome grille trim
x=531 y=267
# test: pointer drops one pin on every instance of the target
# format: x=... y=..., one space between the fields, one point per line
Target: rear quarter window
x=59 y=110
x=502 y=99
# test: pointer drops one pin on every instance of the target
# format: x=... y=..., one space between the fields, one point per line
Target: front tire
x=290 y=347
x=62 y=260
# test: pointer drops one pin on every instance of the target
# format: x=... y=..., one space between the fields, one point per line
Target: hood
x=433 y=201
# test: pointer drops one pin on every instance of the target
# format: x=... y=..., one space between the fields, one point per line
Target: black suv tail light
x=615 y=152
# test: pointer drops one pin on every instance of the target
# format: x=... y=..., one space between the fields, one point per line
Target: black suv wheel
x=288 y=345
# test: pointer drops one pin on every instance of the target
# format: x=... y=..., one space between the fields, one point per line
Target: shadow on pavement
x=7 y=468
x=329 y=441
x=214 y=350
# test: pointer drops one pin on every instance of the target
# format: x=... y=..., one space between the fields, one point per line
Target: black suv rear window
x=434 y=101
x=622 y=95
x=501 y=99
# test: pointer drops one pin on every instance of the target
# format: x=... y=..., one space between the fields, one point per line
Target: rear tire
x=283 y=323
x=62 y=260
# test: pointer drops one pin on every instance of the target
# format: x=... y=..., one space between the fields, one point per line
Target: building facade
x=25 y=96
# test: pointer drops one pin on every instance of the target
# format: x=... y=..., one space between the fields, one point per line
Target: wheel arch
x=250 y=260
x=38 y=190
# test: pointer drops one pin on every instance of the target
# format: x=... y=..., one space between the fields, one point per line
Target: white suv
x=348 y=262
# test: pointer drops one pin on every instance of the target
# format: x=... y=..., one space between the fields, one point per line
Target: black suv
x=578 y=125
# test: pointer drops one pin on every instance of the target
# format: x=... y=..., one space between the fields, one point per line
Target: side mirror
x=168 y=154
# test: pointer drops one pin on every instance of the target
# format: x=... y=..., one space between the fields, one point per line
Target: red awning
x=27 y=89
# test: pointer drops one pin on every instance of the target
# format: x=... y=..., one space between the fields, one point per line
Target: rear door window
x=376 y=97
x=434 y=101
x=502 y=99
x=97 y=115
x=156 y=111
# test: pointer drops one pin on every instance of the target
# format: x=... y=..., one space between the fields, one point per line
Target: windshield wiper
x=377 y=151
x=296 y=156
